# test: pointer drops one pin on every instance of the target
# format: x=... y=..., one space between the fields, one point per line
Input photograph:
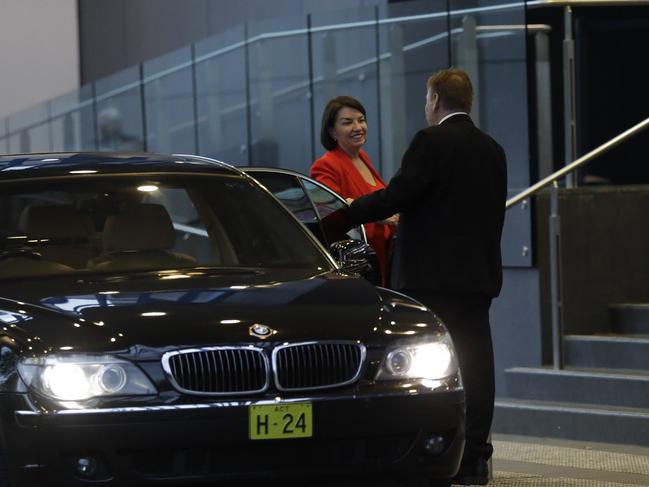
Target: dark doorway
x=612 y=65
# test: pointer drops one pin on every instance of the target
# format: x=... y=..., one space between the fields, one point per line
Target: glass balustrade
x=254 y=95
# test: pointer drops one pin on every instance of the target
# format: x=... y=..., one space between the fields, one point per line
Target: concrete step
x=606 y=352
x=630 y=318
x=615 y=388
x=572 y=421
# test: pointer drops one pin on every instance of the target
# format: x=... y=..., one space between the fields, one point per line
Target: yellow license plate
x=276 y=421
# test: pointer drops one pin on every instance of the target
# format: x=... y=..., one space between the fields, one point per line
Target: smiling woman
x=346 y=168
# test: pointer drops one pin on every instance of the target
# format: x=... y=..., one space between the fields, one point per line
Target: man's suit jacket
x=451 y=191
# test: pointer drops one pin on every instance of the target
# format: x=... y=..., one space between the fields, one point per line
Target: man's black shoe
x=475 y=472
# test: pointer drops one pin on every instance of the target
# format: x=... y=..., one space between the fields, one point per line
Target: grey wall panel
x=120 y=33
x=161 y=26
x=102 y=40
x=516 y=324
x=516 y=242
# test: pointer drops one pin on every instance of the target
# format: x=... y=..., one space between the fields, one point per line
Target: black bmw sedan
x=166 y=321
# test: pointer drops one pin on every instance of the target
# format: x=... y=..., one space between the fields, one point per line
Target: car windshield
x=134 y=223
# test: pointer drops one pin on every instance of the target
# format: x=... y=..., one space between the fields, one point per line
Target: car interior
x=59 y=238
x=132 y=226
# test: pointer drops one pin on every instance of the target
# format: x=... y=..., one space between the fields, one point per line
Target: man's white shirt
x=451 y=115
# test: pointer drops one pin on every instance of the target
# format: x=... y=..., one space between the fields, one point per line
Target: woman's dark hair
x=329 y=118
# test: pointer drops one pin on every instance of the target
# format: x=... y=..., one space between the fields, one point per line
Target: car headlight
x=430 y=358
x=80 y=377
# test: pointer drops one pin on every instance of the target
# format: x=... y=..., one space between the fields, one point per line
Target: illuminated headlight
x=432 y=358
x=80 y=377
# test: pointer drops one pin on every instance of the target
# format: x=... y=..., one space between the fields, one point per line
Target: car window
x=136 y=223
x=289 y=191
x=327 y=202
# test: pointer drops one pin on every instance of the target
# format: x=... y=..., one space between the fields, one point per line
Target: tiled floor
x=536 y=462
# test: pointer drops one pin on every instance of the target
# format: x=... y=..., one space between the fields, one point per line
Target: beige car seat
x=140 y=237
x=59 y=233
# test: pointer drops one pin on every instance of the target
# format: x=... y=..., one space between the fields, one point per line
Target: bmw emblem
x=261 y=331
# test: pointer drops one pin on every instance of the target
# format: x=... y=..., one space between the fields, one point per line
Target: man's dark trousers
x=467 y=319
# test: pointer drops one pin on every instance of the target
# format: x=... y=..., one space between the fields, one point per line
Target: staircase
x=601 y=395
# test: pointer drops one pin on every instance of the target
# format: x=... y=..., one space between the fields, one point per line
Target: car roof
x=276 y=170
x=52 y=164
x=253 y=170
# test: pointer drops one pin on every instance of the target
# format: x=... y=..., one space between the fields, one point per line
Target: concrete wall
x=116 y=34
x=39 y=51
x=604 y=252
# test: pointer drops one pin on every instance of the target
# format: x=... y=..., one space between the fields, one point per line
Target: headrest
x=54 y=222
x=140 y=227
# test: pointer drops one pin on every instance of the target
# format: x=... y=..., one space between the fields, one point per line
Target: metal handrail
x=554 y=233
x=583 y=160
x=587 y=3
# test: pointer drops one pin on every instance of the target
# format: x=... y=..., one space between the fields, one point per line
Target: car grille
x=240 y=370
x=217 y=370
x=317 y=365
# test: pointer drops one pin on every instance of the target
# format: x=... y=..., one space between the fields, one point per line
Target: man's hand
x=392 y=221
x=336 y=225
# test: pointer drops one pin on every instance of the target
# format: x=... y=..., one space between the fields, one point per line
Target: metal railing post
x=145 y=133
x=543 y=102
x=393 y=90
x=195 y=110
x=95 y=116
x=556 y=288
x=468 y=60
x=248 y=106
x=312 y=109
x=569 y=96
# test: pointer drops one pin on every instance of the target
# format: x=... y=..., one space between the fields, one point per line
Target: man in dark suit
x=451 y=191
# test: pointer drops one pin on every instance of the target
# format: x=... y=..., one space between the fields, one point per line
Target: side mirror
x=357 y=257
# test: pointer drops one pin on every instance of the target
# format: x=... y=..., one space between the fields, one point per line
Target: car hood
x=165 y=311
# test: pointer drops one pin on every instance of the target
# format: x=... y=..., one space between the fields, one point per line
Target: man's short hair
x=454 y=89
x=329 y=118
